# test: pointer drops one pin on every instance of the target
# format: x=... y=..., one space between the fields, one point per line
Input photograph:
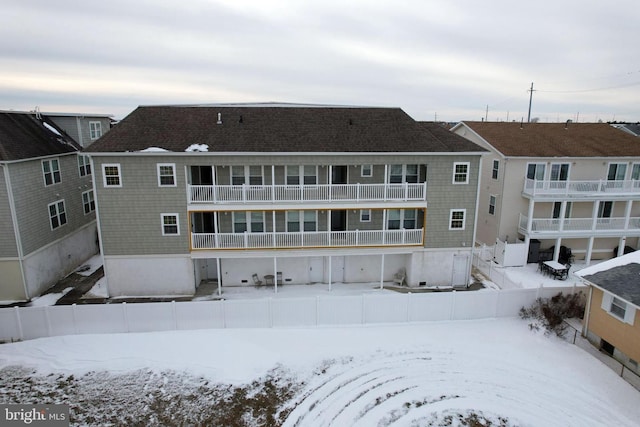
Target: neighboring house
x=551 y=185
x=47 y=218
x=611 y=320
x=303 y=194
x=85 y=129
x=631 y=128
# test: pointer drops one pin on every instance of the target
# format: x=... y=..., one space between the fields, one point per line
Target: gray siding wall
x=83 y=135
x=8 y=246
x=130 y=216
x=443 y=195
x=32 y=198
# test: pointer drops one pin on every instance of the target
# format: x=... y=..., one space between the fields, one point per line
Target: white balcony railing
x=577 y=225
x=306 y=193
x=307 y=239
x=580 y=188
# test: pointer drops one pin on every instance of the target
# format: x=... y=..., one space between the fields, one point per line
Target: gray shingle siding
x=32 y=198
x=130 y=216
x=8 y=246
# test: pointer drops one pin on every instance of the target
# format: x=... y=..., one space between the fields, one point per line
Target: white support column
x=382 y=272
x=273 y=225
x=273 y=184
x=627 y=214
x=530 y=215
x=216 y=229
x=587 y=256
x=594 y=215
x=621 y=244
x=330 y=181
x=275 y=275
x=556 y=250
x=219 y=276
x=330 y=273
x=563 y=212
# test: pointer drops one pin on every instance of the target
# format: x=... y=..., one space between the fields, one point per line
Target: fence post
x=73 y=316
x=46 y=318
x=19 y=323
x=224 y=314
x=125 y=316
x=363 y=309
x=538 y=291
x=173 y=313
x=408 y=306
x=270 y=306
x=453 y=305
x=317 y=310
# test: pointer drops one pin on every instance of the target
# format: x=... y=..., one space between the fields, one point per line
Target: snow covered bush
x=550 y=313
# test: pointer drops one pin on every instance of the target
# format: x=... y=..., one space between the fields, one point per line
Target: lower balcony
x=307 y=239
x=584 y=227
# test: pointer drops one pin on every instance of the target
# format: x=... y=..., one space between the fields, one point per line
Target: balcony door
x=338 y=220
x=339 y=174
x=201 y=175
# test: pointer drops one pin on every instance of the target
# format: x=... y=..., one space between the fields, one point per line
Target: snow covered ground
x=401 y=375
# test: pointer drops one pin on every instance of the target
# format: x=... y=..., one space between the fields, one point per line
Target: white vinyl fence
x=23 y=323
x=483 y=261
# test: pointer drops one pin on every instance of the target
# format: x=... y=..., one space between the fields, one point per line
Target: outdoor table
x=268 y=279
x=556 y=269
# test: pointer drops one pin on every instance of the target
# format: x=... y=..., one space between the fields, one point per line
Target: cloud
x=428 y=57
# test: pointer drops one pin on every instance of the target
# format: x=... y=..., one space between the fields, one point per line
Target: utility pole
x=530 y=99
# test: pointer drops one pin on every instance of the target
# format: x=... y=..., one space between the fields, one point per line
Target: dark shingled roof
x=557 y=139
x=622 y=280
x=24 y=136
x=275 y=129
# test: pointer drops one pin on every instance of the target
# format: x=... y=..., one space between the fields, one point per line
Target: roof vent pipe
x=219 y=118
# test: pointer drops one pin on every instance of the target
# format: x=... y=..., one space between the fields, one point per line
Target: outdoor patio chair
x=400 y=277
x=256 y=280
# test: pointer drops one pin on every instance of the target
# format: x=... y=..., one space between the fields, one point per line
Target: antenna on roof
x=37 y=111
x=219 y=118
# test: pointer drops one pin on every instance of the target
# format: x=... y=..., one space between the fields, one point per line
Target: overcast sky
x=444 y=60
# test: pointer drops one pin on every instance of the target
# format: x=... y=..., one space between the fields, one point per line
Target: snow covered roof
x=29 y=135
x=279 y=128
x=619 y=276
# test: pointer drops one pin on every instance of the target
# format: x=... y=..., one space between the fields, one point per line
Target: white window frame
x=95 y=130
x=567 y=211
x=159 y=168
x=404 y=175
x=88 y=199
x=628 y=311
x=495 y=169
x=84 y=165
x=559 y=166
x=366 y=171
x=59 y=214
x=618 y=165
x=104 y=175
x=452 y=219
x=304 y=174
x=402 y=217
x=601 y=208
x=492 y=204
x=456 y=173
x=538 y=166
x=52 y=172
x=247 y=220
x=635 y=171
x=365 y=215
x=302 y=218
x=164 y=224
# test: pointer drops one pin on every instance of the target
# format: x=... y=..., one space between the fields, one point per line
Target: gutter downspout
x=16 y=231
x=585 y=327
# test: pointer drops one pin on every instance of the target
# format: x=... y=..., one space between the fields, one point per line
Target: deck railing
x=580 y=188
x=306 y=193
x=307 y=239
x=586 y=225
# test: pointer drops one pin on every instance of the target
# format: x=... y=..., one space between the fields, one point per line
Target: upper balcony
x=233 y=194
x=579 y=227
x=595 y=189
